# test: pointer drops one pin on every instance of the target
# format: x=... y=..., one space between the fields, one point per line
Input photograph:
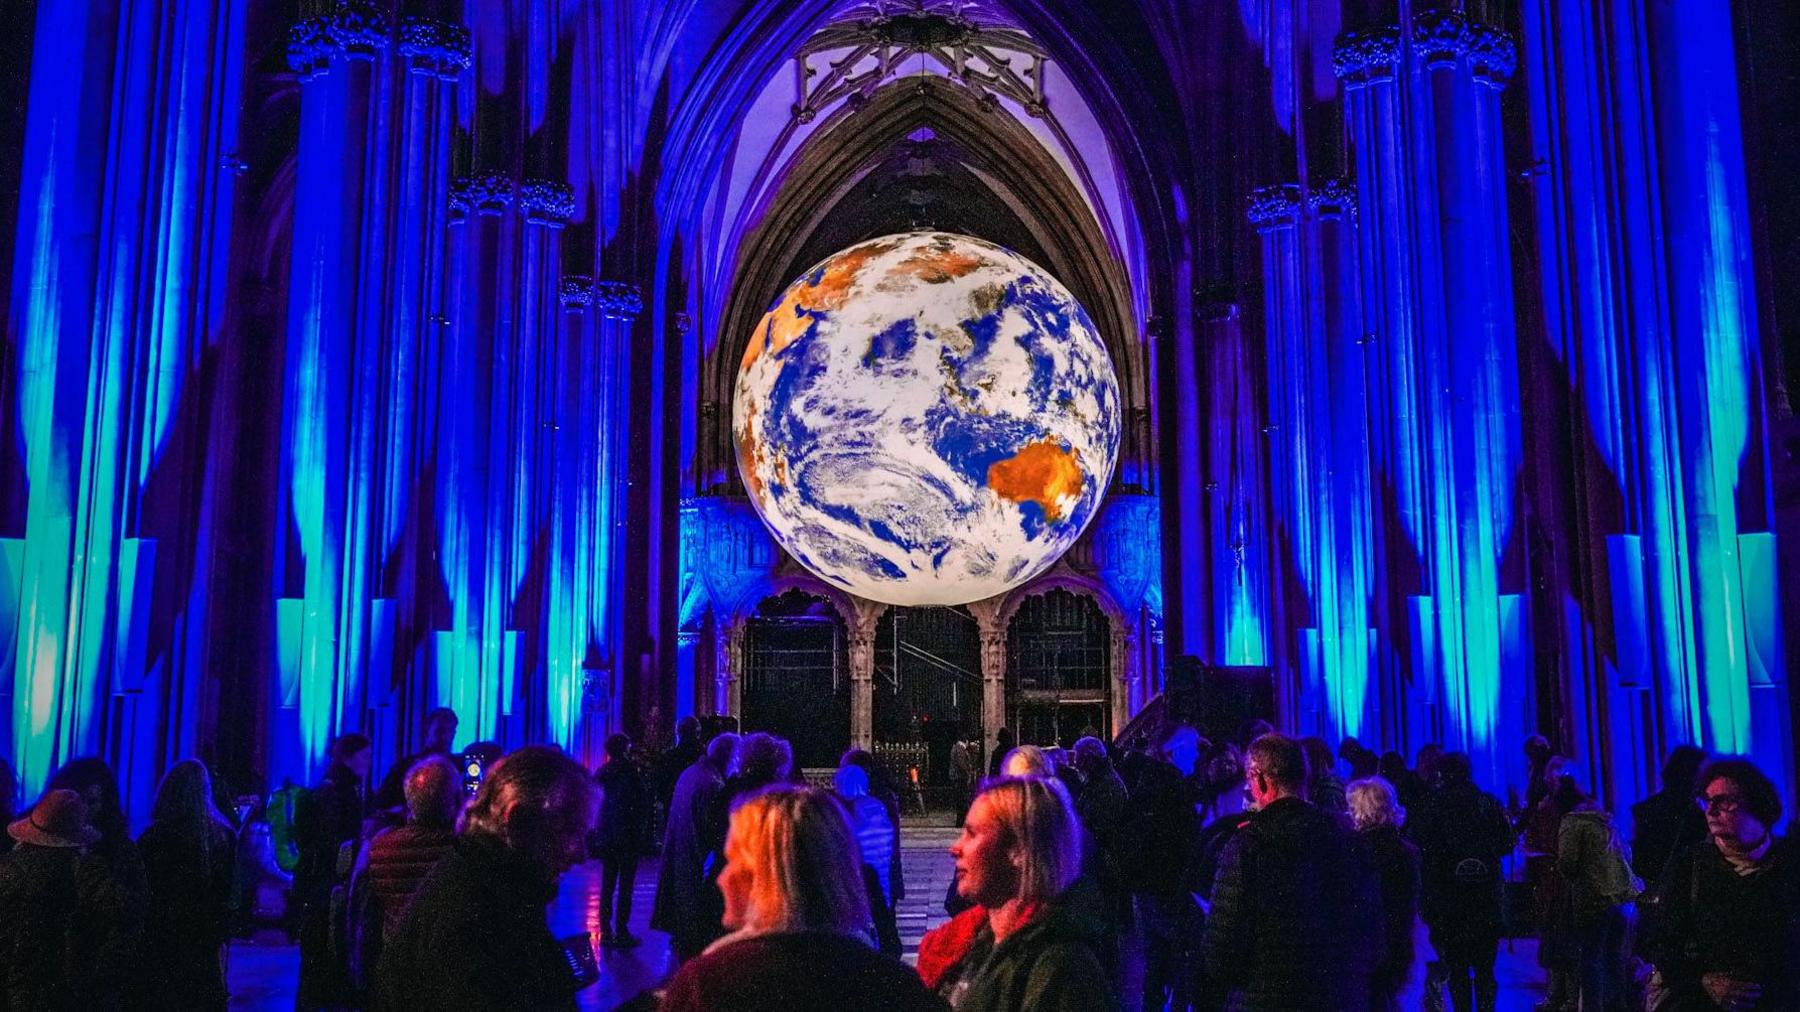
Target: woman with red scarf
x=1023 y=947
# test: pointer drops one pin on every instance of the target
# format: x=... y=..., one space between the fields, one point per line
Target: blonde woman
x=1376 y=811
x=798 y=915
x=1023 y=946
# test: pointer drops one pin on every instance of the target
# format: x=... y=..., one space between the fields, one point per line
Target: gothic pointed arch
x=1035 y=205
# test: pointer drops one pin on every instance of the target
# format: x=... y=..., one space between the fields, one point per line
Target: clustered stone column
x=1423 y=117
x=1318 y=443
x=364 y=323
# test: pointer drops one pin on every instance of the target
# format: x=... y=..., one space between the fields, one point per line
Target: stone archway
x=793 y=674
x=1059 y=668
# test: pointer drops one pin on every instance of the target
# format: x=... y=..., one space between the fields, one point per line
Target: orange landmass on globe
x=787 y=320
x=1042 y=472
x=937 y=264
x=750 y=455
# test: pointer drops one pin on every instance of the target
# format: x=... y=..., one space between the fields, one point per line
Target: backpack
x=284 y=810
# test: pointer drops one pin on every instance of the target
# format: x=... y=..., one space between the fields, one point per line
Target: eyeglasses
x=1720 y=803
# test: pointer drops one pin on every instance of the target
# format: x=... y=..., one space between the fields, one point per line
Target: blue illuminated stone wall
x=356 y=362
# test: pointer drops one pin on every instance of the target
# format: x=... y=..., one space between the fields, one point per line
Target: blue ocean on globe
x=926 y=419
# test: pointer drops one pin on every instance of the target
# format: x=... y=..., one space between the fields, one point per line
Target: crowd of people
x=1244 y=875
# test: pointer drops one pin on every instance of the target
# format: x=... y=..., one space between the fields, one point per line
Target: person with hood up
x=1296 y=903
x=1024 y=946
x=877 y=840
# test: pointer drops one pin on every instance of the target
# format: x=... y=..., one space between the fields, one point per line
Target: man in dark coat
x=1296 y=909
x=1669 y=819
x=1158 y=846
x=476 y=936
x=682 y=905
x=440 y=738
x=625 y=811
x=330 y=816
x=1462 y=833
x=673 y=762
x=63 y=911
x=395 y=863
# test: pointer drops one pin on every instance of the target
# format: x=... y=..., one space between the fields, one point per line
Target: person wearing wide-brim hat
x=62 y=909
x=60 y=819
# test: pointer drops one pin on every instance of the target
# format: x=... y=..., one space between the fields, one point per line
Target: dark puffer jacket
x=475 y=937
x=1054 y=963
x=1297 y=918
x=398 y=862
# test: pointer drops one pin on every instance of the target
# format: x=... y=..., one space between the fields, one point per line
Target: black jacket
x=625 y=809
x=1161 y=833
x=330 y=815
x=1662 y=824
x=190 y=871
x=63 y=917
x=1714 y=920
x=1462 y=833
x=476 y=937
x=1296 y=913
x=1397 y=866
x=1052 y=964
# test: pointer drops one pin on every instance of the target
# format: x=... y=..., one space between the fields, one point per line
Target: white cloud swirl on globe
x=926 y=419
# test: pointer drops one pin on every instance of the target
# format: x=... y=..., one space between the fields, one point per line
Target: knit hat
x=59 y=819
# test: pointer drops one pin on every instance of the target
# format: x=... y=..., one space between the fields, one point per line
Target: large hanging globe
x=926 y=419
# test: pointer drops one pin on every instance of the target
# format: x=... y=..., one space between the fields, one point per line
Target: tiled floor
x=262 y=977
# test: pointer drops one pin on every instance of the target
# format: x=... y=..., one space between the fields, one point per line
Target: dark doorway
x=928 y=684
x=797 y=676
x=1058 y=667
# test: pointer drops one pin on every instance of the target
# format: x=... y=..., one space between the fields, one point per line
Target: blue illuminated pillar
x=1319 y=452
x=364 y=319
x=587 y=524
x=1422 y=108
x=1236 y=538
x=123 y=222
x=1734 y=697
x=1649 y=302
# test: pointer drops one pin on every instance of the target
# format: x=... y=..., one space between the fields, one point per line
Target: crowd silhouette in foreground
x=1262 y=873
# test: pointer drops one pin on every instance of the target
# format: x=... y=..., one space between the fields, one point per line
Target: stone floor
x=262 y=976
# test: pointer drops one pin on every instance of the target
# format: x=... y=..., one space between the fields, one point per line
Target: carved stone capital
x=1492 y=56
x=1367 y=56
x=576 y=291
x=310 y=46
x=1273 y=207
x=618 y=300
x=436 y=48
x=1333 y=199
x=482 y=193
x=546 y=202
x=359 y=28
x=1441 y=38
